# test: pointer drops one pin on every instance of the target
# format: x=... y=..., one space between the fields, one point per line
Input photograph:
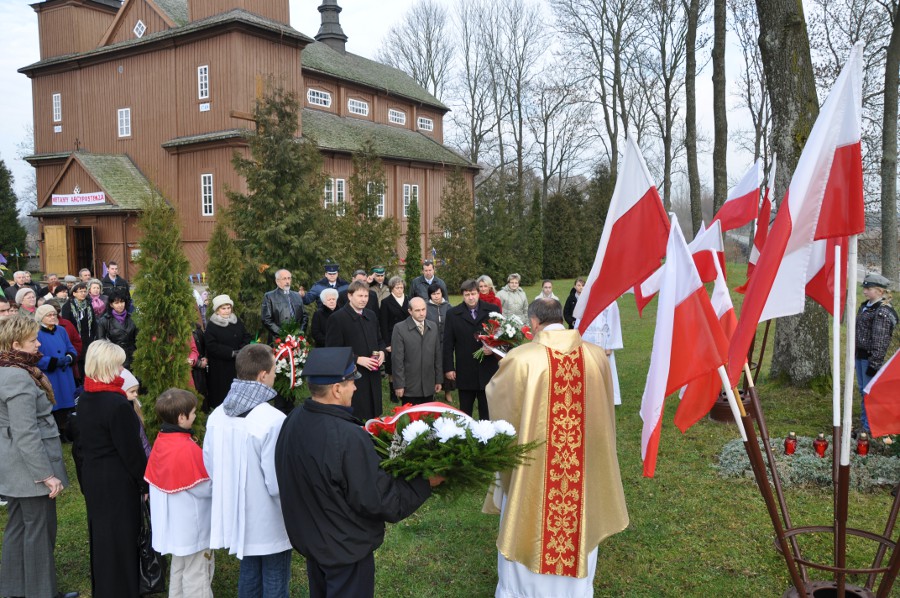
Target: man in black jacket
x=281 y=305
x=463 y=325
x=334 y=495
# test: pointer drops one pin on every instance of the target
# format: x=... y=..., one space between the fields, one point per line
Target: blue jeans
x=863 y=380
x=265 y=576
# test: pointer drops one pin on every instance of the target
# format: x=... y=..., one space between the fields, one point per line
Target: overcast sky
x=364 y=22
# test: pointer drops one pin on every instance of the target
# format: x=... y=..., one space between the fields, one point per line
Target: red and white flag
x=701 y=393
x=708 y=251
x=882 y=406
x=742 y=203
x=633 y=241
x=688 y=341
x=762 y=226
x=824 y=201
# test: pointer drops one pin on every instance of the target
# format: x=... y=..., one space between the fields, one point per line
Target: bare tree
x=558 y=121
x=695 y=10
x=801 y=342
x=419 y=45
x=600 y=37
x=751 y=92
x=720 y=114
x=889 y=264
x=665 y=44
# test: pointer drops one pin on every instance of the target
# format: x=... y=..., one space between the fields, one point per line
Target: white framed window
x=377 y=189
x=410 y=192
x=318 y=98
x=139 y=28
x=426 y=124
x=398 y=117
x=206 y=195
x=203 y=82
x=57 y=107
x=335 y=194
x=124 y=122
x=358 y=107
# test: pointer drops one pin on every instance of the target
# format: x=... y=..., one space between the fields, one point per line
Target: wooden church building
x=159 y=93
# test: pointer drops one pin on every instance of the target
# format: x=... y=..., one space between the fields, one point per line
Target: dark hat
x=378 y=270
x=876 y=280
x=331 y=266
x=330 y=365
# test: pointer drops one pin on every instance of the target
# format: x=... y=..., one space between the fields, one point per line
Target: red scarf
x=176 y=463
x=91 y=385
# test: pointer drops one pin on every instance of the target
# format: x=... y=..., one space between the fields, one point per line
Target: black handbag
x=153 y=565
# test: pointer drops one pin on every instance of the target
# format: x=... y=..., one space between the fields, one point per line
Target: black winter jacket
x=124 y=334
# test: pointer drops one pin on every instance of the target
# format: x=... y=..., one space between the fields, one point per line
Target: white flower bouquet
x=436 y=439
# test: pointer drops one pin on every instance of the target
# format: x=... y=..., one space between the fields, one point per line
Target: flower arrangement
x=435 y=439
x=502 y=333
x=291 y=351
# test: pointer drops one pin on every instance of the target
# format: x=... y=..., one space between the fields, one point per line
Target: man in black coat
x=112 y=281
x=356 y=327
x=281 y=305
x=463 y=324
x=334 y=495
x=373 y=303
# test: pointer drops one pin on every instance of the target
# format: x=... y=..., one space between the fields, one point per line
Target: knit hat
x=220 y=300
x=20 y=295
x=42 y=311
x=129 y=380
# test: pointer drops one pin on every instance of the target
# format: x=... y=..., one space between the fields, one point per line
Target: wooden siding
x=217 y=162
x=131 y=11
x=436 y=118
x=70 y=28
x=114 y=238
x=350 y=93
x=277 y=10
x=331 y=87
x=45 y=174
x=386 y=104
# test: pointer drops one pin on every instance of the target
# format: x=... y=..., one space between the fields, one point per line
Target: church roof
x=177 y=10
x=344 y=134
x=116 y=175
x=319 y=57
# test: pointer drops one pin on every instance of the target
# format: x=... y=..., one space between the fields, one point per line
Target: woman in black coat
x=113 y=463
x=78 y=311
x=329 y=299
x=117 y=326
x=394 y=309
x=225 y=336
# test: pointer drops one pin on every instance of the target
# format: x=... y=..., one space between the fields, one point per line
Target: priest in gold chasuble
x=556 y=509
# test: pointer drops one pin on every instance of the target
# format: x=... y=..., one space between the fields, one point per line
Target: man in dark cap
x=335 y=497
x=331 y=279
x=377 y=284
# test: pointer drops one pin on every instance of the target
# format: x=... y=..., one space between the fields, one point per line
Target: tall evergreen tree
x=166 y=310
x=593 y=215
x=535 y=239
x=12 y=234
x=225 y=268
x=454 y=237
x=279 y=220
x=561 y=241
x=497 y=226
x=413 y=242
x=367 y=237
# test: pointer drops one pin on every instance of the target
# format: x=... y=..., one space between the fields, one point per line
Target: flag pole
x=751 y=445
x=836 y=394
x=770 y=457
x=840 y=523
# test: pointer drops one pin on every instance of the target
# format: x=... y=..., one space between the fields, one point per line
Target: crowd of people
x=272 y=476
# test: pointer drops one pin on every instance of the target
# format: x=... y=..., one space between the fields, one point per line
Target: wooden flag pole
x=770 y=457
x=836 y=399
x=751 y=445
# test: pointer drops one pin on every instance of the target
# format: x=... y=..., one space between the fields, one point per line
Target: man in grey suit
x=281 y=305
x=417 y=358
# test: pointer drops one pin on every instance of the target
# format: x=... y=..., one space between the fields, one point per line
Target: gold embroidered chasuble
x=568 y=498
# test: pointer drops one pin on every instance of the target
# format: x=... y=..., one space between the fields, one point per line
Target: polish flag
x=882 y=406
x=701 y=393
x=708 y=251
x=762 y=226
x=633 y=241
x=742 y=203
x=688 y=341
x=824 y=201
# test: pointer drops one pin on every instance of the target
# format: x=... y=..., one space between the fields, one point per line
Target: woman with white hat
x=225 y=336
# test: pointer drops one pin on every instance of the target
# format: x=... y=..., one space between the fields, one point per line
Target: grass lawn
x=692 y=533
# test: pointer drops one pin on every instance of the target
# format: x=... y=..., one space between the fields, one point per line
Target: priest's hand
x=450 y=375
x=436 y=480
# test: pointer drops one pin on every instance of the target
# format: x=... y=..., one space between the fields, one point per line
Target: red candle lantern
x=862 y=445
x=790 y=444
x=820 y=445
